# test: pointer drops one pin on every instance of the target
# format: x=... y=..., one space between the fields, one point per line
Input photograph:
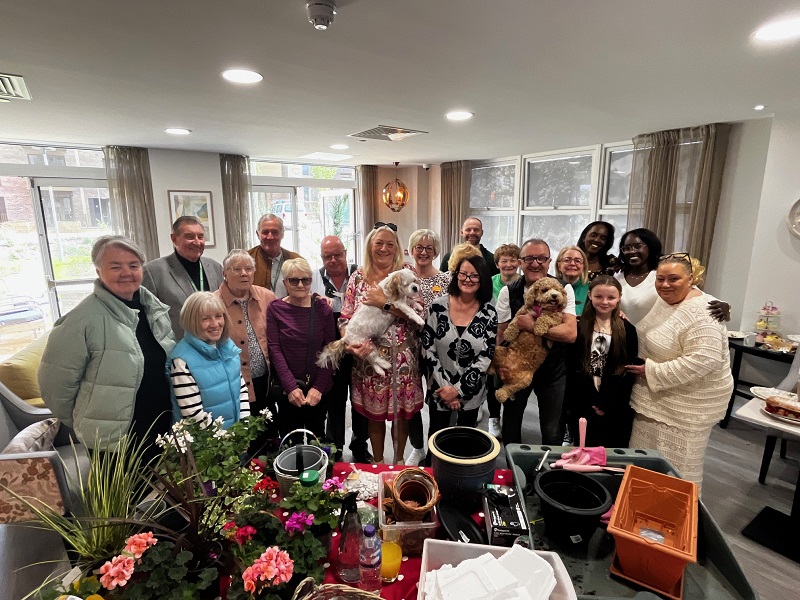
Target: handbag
x=275 y=387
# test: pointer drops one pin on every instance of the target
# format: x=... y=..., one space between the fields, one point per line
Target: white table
x=772 y=528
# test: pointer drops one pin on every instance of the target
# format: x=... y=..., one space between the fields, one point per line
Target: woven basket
x=414 y=493
x=308 y=590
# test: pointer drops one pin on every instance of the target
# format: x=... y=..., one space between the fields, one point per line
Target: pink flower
x=273 y=567
x=116 y=572
x=230 y=525
x=245 y=534
x=298 y=522
x=332 y=485
x=137 y=544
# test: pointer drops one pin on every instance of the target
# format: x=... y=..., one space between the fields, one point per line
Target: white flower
x=267 y=414
x=220 y=433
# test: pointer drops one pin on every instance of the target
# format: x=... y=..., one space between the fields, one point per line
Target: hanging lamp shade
x=395 y=193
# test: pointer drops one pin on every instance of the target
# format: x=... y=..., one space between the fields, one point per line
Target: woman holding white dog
x=459 y=340
x=372 y=394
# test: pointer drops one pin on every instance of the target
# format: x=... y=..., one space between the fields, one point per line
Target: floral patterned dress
x=370 y=393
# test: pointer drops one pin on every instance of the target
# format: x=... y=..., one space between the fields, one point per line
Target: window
x=21 y=154
x=3 y=211
x=314 y=201
x=561 y=193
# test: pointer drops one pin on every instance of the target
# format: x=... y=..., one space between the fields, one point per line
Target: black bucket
x=463 y=461
x=571 y=504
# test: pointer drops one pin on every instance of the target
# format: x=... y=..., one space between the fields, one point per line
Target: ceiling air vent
x=12 y=87
x=387 y=133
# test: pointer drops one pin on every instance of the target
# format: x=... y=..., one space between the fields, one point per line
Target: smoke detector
x=321 y=13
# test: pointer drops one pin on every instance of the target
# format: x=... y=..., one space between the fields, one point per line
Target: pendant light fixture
x=395 y=193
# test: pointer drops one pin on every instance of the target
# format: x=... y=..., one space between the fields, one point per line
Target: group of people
x=641 y=352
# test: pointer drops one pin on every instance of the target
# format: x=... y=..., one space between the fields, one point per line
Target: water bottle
x=347 y=563
x=370 y=559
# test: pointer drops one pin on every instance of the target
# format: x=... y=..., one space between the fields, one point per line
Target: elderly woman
x=102 y=372
x=596 y=240
x=685 y=382
x=464 y=319
x=373 y=395
x=247 y=307
x=204 y=365
x=300 y=326
x=572 y=267
x=506 y=258
x=424 y=246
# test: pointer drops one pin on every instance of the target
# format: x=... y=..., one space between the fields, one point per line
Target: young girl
x=598 y=386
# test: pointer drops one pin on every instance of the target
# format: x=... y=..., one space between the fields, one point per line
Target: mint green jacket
x=92 y=365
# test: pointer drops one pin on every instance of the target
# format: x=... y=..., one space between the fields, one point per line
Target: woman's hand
x=313 y=397
x=448 y=394
x=636 y=370
x=360 y=350
x=296 y=397
x=598 y=412
x=374 y=297
x=720 y=311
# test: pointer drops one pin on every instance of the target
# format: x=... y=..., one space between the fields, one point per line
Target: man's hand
x=296 y=397
x=719 y=310
x=526 y=322
x=504 y=374
x=360 y=350
x=313 y=397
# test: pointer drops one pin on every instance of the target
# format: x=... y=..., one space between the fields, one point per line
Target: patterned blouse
x=431 y=288
x=370 y=393
x=457 y=360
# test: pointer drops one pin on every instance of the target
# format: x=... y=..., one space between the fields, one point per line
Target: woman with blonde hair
x=685 y=382
x=204 y=366
x=373 y=395
x=572 y=267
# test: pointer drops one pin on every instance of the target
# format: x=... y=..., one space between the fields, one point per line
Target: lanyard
x=194 y=287
x=276 y=271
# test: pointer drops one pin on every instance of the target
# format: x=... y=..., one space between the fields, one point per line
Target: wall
x=415 y=214
x=179 y=170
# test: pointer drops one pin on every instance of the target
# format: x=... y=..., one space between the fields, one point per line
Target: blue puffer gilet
x=217 y=371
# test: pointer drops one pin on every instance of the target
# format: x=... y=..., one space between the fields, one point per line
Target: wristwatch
x=388 y=306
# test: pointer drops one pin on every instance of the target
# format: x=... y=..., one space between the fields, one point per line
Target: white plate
x=780 y=417
x=793 y=337
x=765 y=392
x=737 y=335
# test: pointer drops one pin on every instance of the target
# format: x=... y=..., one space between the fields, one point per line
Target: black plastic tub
x=463 y=461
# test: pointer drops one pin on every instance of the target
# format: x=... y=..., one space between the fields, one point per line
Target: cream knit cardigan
x=688 y=376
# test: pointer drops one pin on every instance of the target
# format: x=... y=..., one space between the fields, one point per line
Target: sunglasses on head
x=684 y=256
x=379 y=224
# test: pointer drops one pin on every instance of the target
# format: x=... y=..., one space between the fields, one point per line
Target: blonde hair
x=691 y=266
x=429 y=234
x=584 y=271
x=296 y=264
x=398 y=249
x=199 y=305
x=460 y=252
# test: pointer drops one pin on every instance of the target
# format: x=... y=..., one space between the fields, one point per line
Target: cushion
x=35 y=437
x=20 y=372
x=32 y=478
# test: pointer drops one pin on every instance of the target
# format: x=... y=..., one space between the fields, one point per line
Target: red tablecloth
x=405 y=588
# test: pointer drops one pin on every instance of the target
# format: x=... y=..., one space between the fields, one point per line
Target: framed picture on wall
x=183 y=203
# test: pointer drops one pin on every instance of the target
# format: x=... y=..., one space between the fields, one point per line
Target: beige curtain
x=236 y=189
x=367 y=200
x=676 y=181
x=131 y=191
x=456 y=180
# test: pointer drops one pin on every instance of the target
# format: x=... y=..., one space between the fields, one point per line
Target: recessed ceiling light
x=178 y=131
x=241 y=76
x=459 y=115
x=779 y=30
x=759 y=107
x=339 y=146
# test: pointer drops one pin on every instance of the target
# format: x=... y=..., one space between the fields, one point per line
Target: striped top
x=187 y=393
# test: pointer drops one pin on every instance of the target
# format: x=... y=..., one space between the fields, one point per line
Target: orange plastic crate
x=651 y=500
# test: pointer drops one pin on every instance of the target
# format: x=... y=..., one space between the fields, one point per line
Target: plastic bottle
x=350 y=533
x=370 y=559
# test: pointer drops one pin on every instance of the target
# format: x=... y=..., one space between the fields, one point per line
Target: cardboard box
x=504 y=515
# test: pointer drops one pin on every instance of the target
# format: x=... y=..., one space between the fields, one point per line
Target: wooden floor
x=731 y=493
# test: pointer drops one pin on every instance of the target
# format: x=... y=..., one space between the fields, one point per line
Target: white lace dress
x=688 y=382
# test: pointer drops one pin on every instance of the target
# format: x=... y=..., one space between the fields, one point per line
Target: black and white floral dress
x=461 y=361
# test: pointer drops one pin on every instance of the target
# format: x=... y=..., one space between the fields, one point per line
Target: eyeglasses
x=632 y=247
x=539 y=259
x=379 y=224
x=569 y=259
x=421 y=249
x=296 y=281
x=240 y=270
x=335 y=255
x=468 y=276
x=684 y=256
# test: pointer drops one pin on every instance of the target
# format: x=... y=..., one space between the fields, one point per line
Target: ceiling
x=539 y=75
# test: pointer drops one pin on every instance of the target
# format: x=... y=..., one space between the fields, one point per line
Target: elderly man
x=549 y=382
x=175 y=277
x=269 y=255
x=334 y=275
x=471 y=233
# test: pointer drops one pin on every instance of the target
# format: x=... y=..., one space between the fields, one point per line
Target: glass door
x=278 y=200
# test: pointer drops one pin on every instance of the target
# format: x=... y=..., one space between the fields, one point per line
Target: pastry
x=783 y=407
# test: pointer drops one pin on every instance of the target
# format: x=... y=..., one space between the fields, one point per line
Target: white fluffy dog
x=370 y=322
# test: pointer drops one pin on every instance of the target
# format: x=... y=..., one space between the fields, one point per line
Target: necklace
x=637 y=276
